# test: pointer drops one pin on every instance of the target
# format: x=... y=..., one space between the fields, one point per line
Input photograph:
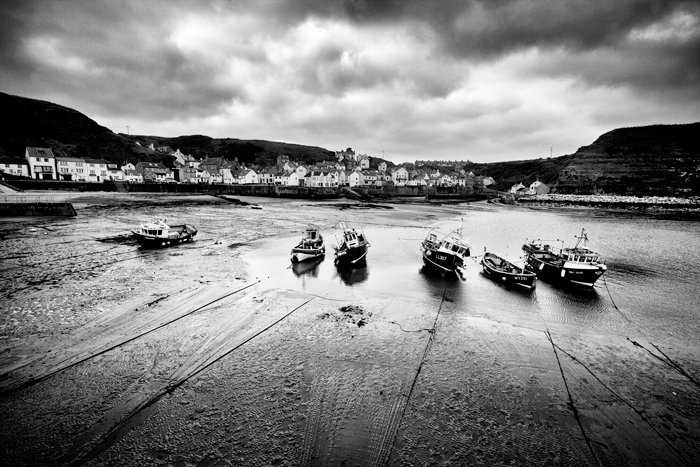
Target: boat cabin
x=580 y=255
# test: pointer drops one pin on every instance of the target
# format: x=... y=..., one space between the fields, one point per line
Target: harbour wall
x=275 y=191
x=37 y=209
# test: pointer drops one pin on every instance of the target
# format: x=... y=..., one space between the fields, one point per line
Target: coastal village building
x=400 y=176
x=132 y=176
x=14 y=166
x=382 y=167
x=154 y=171
x=71 y=169
x=185 y=160
x=245 y=176
x=114 y=172
x=516 y=188
x=356 y=178
x=42 y=163
x=96 y=170
x=538 y=188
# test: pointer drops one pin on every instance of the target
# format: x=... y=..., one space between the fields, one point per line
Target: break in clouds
x=480 y=80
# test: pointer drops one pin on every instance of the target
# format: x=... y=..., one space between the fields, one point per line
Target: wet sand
x=206 y=353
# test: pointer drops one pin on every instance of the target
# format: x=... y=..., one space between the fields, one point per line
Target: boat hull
x=441 y=261
x=300 y=255
x=560 y=271
x=154 y=241
x=524 y=279
x=350 y=256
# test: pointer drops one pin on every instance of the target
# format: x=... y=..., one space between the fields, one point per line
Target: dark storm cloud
x=119 y=47
x=486 y=30
x=427 y=78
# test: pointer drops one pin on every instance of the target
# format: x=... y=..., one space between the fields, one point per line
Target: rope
x=428 y=345
x=571 y=399
x=665 y=359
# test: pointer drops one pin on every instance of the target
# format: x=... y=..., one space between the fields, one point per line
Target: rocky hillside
x=650 y=160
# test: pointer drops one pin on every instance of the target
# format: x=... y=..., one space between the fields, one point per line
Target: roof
x=35 y=152
x=95 y=161
x=69 y=159
x=13 y=160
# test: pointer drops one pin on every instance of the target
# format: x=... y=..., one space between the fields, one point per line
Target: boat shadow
x=307 y=268
x=351 y=274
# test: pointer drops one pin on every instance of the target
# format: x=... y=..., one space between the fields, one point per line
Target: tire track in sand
x=241 y=324
x=112 y=331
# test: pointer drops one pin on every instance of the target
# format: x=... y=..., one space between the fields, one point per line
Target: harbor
x=222 y=351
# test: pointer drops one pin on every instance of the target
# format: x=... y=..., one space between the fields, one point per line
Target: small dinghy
x=309 y=247
x=506 y=272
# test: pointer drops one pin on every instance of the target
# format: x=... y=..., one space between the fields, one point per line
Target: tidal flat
x=219 y=352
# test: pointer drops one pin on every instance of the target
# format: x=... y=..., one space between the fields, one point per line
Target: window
x=46 y=159
x=79 y=164
x=91 y=165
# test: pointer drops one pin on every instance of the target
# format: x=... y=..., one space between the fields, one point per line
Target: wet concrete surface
x=220 y=352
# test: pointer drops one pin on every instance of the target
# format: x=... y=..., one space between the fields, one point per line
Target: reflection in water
x=351 y=275
x=307 y=268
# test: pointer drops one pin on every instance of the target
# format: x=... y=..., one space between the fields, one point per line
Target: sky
x=485 y=81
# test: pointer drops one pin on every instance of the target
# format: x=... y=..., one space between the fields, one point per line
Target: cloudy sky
x=480 y=80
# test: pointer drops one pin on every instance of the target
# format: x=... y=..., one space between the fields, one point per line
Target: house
x=42 y=163
x=320 y=178
x=114 y=172
x=516 y=188
x=488 y=181
x=185 y=160
x=96 y=170
x=400 y=176
x=132 y=176
x=382 y=167
x=14 y=166
x=356 y=178
x=266 y=176
x=153 y=171
x=128 y=166
x=71 y=169
x=538 y=188
x=245 y=176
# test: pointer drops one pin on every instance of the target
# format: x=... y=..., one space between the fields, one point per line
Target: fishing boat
x=578 y=265
x=506 y=272
x=309 y=247
x=158 y=233
x=352 y=246
x=444 y=252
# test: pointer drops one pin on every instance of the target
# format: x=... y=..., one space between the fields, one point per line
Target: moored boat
x=352 y=246
x=158 y=233
x=309 y=247
x=444 y=252
x=506 y=272
x=577 y=265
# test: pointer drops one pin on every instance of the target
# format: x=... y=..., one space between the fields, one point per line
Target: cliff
x=651 y=160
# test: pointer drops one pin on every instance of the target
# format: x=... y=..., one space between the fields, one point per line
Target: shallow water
x=650 y=287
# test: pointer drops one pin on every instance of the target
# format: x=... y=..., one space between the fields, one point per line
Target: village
x=349 y=169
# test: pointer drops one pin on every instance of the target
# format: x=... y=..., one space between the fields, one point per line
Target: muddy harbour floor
x=218 y=352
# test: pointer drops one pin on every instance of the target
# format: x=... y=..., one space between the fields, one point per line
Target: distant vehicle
x=157 y=233
x=445 y=252
x=309 y=247
x=576 y=265
x=506 y=272
x=352 y=247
